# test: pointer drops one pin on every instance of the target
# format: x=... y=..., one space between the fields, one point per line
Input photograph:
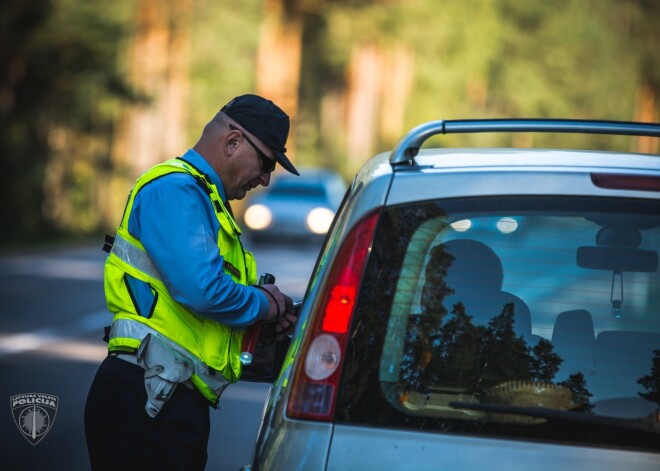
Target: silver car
x=295 y=207
x=481 y=309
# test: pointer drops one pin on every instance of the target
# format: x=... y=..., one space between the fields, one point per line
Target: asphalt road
x=52 y=313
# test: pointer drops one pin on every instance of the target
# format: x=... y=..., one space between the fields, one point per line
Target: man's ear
x=231 y=142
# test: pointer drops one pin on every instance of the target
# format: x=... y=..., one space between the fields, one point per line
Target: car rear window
x=472 y=308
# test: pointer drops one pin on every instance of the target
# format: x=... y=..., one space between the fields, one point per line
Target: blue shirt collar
x=195 y=158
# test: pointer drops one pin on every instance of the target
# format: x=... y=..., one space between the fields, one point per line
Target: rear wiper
x=650 y=423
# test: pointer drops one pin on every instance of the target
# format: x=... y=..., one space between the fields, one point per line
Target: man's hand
x=287 y=322
x=280 y=311
x=277 y=302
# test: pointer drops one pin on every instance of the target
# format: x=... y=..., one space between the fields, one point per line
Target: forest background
x=92 y=92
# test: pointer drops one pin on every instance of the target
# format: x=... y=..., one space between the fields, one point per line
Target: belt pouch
x=164 y=368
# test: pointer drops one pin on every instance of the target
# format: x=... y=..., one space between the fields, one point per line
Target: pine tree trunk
x=153 y=131
x=279 y=59
x=646 y=110
x=159 y=69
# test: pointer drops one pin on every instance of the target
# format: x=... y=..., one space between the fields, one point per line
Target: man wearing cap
x=182 y=291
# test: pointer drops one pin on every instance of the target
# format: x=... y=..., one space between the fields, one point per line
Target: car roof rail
x=408 y=147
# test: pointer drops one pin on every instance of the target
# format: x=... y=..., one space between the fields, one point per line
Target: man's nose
x=264 y=179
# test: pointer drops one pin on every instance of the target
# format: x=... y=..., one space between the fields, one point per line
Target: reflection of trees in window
x=416 y=356
x=449 y=351
x=458 y=345
x=446 y=355
x=459 y=355
x=544 y=363
x=504 y=356
x=579 y=393
x=651 y=382
x=360 y=389
x=435 y=288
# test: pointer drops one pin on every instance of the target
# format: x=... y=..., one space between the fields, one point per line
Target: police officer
x=182 y=291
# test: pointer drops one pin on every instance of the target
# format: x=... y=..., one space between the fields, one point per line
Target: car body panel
x=463 y=172
x=300 y=446
x=361 y=448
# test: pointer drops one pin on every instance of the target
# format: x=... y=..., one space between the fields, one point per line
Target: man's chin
x=240 y=194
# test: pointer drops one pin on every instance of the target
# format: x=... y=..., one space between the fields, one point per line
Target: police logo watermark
x=34 y=414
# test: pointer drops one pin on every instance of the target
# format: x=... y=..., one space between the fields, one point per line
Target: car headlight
x=319 y=219
x=258 y=217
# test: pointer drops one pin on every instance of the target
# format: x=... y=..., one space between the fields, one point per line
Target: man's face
x=256 y=162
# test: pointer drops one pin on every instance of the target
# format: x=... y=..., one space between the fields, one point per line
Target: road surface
x=52 y=313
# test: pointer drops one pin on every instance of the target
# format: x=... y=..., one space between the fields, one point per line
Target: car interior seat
x=574 y=339
x=622 y=358
x=470 y=272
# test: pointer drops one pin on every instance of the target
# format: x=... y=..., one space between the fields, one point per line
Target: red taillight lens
x=626 y=182
x=339 y=308
x=316 y=380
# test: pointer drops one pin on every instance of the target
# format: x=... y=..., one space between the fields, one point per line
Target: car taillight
x=626 y=182
x=316 y=380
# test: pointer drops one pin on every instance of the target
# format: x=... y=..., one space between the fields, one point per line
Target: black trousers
x=121 y=436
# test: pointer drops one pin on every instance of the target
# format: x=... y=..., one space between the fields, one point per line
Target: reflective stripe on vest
x=130 y=254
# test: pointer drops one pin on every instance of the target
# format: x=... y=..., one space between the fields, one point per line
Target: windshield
x=545 y=303
x=290 y=188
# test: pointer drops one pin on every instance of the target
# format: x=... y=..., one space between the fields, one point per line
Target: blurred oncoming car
x=295 y=207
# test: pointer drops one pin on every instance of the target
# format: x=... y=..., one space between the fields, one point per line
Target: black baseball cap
x=265 y=120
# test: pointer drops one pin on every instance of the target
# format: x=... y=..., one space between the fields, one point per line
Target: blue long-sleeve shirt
x=173 y=218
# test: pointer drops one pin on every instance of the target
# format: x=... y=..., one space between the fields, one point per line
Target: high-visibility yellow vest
x=213 y=347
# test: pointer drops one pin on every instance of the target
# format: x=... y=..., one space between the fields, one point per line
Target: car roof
x=388 y=178
x=408 y=147
x=521 y=159
x=513 y=159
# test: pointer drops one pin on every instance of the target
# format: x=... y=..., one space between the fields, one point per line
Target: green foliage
x=63 y=86
x=60 y=89
x=225 y=40
x=504 y=58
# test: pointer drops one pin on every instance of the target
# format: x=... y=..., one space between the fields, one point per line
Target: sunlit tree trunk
x=159 y=69
x=378 y=85
x=332 y=127
x=397 y=84
x=363 y=99
x=646 y=110
x=152 y=131
x=279 y=59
